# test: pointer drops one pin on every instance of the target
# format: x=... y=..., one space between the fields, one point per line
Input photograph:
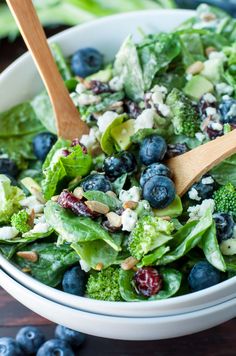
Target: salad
x=99 y=217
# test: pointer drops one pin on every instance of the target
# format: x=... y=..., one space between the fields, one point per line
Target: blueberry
x=42 y=143
x=203 y=275
x=10 y=347
x=74 y=338
x=86 y=61
x=152 y=149
x=118 y=164
x=74 y=281
x=205 y=191
x=228 y=111
x=30 y=339
x=158 y=169
x=96 y=182
x=159 y=191
x=8 y=167
x=55 y=347
x=224 y=226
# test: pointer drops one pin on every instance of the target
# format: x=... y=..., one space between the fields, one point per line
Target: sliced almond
x=114 y=219
x=99 y=266
x=78 y=192
x=26 y=270
x=167 y=218
x=28 y=255
x=130 y=204
x=208 y=17
x=116 y=105
x=129 y=263
x=31 y=218
x=111 y=194
x=55 y=198
x=38 y=195
x=97 y=207
x=209 y=50
x=195 y=68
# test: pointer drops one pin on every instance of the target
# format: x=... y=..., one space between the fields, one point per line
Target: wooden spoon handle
x=191 y=166
x=69 y=124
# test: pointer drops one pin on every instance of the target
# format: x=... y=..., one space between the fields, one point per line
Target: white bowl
x=21 y=81
x=124 y=328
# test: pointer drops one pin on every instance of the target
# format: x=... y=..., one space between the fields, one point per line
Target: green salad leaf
x=61 y=62
x=151 y=258
x=107 y=142
x=225 y=171
x=75 y=229
x=211 y=249
x=173 y=210
x=112 y=202
x=171 y=284
x=44 y=112
x=52 y=262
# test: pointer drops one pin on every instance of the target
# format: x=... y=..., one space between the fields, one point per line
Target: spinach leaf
x=157 y=52
x=230 y=262
x=56 y=167
x=44 y=112
x=74 y=229
x=19 y=121
x=98 y=251
x=8 y=250
x=61 y=62
x=151 y=258
x=182 y=233
x=127 y=66
x=119 y=183
x=211 y=249
x=225 y=171
x=192 y=47
x=104 y=198
x=107 y=142
x=190 y=242
x=27 y=238
x=52 y=263
x=171 y=284
x=173 y=210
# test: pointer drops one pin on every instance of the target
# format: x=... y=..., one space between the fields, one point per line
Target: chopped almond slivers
x=97 y=207
x=195 y=68
x=78 y=192
x=99 y=266
x=129 y=263
x=114 y=219
x=28 y=255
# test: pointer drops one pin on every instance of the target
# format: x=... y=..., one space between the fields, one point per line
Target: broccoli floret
x=20 y=221
x=185 y=119
x=225 y=199
x=149 y=233
x=10 y=197
x=104 y=285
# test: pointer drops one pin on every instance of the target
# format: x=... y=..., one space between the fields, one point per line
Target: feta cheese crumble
x=116 y=83
x=84 y=266
x=197 y=211
x=133 y=194
x=193 y=194
x=129 y=219
x=89 y=140
x=8 y=232
x=224 y=88
x=207 y=180
x=209 y=98
x=218 y=55
x=31 y=203
x=145 y=120
x=216 y=126
x=80 y=88
x=105 y=120
x=164 y=109
x=158 y=94
x=200 y=136
x=87 y=99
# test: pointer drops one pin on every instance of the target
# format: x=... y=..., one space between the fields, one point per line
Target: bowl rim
x=164 y=302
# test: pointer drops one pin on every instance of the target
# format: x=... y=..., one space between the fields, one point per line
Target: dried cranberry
x=213 y=133
x=65 y=153
x=132 y=109
x=76 y=142
x=99 y=87
x=203 y=105
x=175 y=150
x=147 y=281
x=68 y=201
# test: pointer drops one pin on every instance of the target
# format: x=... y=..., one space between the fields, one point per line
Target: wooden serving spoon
x=191 y=166
x=68 y=121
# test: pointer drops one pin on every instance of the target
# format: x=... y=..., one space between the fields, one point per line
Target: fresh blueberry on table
x=74 y=281
x=224 y=226
x=8 y=167
x=55 y=347
x=118 y=164
x=10 y=347
x=30 y=339
x=158 y=169
x=228 y=111
x=74 y=338
x=203 y=275
x=86 y=61
x=96 y=182
x=159 y=191
x=42 y=143
x=152 y=150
